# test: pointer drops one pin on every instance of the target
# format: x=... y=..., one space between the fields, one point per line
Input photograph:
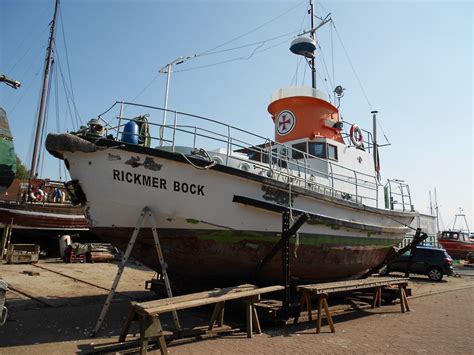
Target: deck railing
x=275 y=159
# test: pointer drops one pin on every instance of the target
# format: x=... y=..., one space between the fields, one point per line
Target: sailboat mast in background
x=44 y=94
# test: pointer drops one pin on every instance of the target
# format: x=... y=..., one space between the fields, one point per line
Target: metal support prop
x=146 y=212
x=417 y=239
x=286 y=260
x=284 y=245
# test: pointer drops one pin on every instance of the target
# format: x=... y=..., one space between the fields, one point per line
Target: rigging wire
x=77 y=123
x=68 y=66
x=304 y=73
x=299 y=58
x=295 y=75
x=351 y=65
x=213 y=50
x=256 y=50
x=34 y=40
x=252 y=30
x=147 y=86
x=326 y=72
x=233 y=59
x=27 y=90
x=56 y=101
x=332 y=57
x=27 y=73
x=247 y=45
x=58 y=124
x=40 y=160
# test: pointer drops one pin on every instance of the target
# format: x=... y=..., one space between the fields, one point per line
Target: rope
x=209 y=51
x=395 y=220
x=351 y=65
x=241 y=58
x=67 y=94
x=203 y=153
x=299 y=58
x=73 y=99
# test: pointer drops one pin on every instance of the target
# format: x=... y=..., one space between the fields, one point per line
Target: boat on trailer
x=217 y=192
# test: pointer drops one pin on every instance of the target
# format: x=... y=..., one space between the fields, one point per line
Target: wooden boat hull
x=42 y=218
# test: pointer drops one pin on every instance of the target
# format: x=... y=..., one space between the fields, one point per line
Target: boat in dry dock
x=219 y=210
x=457 y=241
x=25 y=213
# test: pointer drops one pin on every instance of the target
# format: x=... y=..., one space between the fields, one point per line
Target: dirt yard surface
x=54 y=313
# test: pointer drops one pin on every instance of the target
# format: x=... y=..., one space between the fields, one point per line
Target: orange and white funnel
x=303 y=112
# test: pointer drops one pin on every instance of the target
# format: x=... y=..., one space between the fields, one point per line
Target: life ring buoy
x=356 y=135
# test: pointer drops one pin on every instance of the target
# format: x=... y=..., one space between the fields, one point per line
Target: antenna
x=431 y=204
x=306 y=46
x=437 y=209
x=168 y=69
x=460 y=214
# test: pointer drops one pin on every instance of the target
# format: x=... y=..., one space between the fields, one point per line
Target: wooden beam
x=193 y=296
x=173 y=305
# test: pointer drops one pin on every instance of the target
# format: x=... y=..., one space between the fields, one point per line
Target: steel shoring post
x=286 y=260
x=164 y=266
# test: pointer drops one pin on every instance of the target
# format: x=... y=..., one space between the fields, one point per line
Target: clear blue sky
x=414 y=59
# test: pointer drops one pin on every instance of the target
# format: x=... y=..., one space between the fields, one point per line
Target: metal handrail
x=296 y=171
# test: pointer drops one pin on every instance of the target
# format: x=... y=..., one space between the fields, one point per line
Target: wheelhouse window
x=317 y=149
x=332 y=152
x=280 y=158
x=450 y=235
x=301 y=147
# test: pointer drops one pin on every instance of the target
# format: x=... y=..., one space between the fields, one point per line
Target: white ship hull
x=218 y=223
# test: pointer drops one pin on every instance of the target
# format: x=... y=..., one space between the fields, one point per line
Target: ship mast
x=44 y=94
x=313 y=37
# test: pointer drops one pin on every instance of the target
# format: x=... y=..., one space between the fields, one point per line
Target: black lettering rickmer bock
x=158 y=183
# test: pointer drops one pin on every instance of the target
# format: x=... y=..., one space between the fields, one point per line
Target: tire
x=435 y=274
x=384 y=271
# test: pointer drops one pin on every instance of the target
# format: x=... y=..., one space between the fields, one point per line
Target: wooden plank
x=328 y=315
x=406 y=299
x=375 y=301
x=249 y=315
x=126 y=325
x=255 y=320
x=352 y=285
x=197 y=295
x=215 y=314
x=402 y=300
x=220 y=316
x=173 y=305
x=320 y=301
x=309 y=306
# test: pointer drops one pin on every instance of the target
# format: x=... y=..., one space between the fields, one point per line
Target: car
x=432 y=262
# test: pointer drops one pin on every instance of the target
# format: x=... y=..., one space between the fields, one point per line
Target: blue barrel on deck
x=130 y=133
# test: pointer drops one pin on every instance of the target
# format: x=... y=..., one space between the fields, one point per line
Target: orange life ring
x=356 y=135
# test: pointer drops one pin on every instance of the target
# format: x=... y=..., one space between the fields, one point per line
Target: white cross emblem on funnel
x=285 y=122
